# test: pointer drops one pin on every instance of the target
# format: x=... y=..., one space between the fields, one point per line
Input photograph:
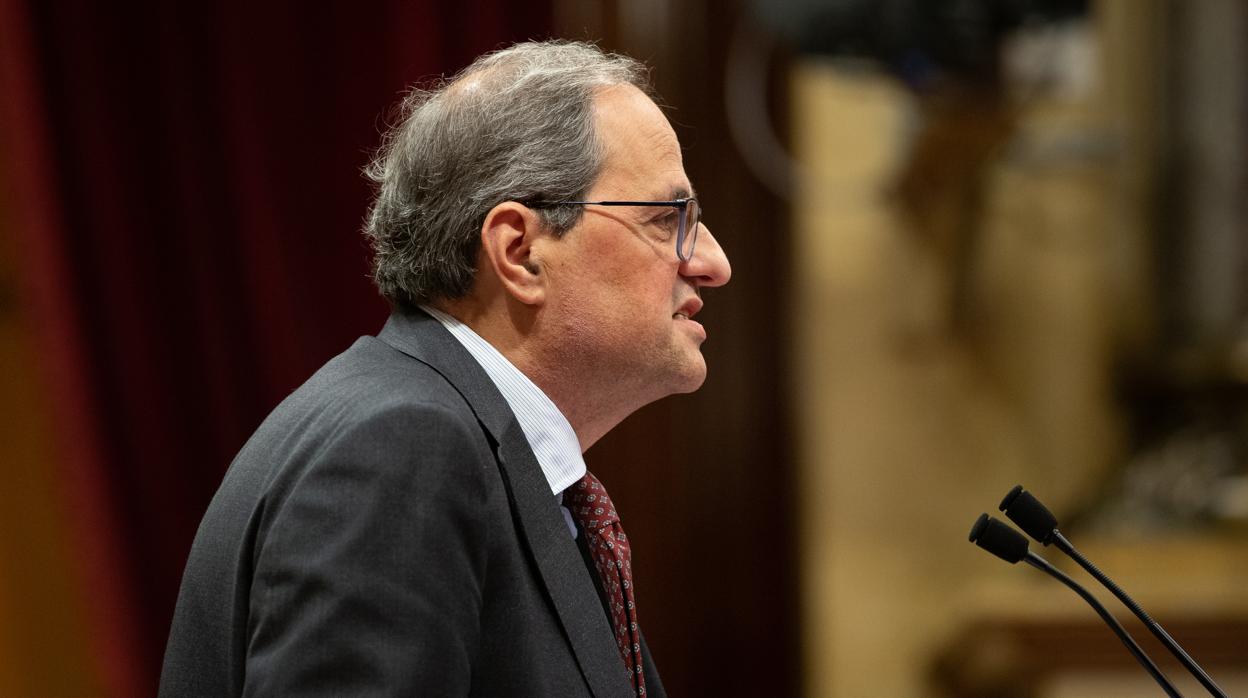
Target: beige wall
x=898 y=421
x=911 y=426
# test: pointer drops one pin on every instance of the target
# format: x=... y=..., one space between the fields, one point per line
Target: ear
x=507 y=238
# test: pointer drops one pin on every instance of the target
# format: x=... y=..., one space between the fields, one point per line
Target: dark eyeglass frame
x=682 y=230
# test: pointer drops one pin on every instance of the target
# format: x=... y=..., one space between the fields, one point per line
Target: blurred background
x=976 y=243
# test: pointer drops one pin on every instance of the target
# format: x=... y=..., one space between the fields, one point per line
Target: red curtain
x=189 y=193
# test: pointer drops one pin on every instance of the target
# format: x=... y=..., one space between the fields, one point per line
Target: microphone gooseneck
x=1021 y=506
x=999 y=539
x=1041 y=564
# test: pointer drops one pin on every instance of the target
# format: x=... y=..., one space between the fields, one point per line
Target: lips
x=688 y=309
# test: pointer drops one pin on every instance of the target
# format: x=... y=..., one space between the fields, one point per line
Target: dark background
x=185 y=208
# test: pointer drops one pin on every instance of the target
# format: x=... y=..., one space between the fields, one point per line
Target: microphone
x=1010 y=545
x=1038 y=522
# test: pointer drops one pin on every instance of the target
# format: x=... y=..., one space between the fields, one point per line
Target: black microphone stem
x=1041 y=564
x=1160 y=633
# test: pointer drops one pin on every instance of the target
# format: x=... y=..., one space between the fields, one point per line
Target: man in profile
x=417 y=518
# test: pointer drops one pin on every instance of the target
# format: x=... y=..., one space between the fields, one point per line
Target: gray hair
x=516 y=125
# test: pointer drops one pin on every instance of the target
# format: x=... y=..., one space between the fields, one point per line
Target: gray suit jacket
x=387 y=531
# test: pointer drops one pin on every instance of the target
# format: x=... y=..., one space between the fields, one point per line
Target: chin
x=691 y=378
x=690 y=388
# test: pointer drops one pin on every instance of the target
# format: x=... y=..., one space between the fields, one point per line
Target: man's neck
x=517 y=335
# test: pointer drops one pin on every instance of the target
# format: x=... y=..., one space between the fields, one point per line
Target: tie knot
x=588 y=501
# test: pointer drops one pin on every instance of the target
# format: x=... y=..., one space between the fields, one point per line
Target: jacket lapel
x=537 y=517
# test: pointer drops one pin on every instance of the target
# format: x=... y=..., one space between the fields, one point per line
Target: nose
x=709 y=265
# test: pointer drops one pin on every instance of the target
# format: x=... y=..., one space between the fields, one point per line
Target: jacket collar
x=538 y=520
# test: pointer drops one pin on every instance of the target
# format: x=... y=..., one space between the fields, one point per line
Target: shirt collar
x=548 y=432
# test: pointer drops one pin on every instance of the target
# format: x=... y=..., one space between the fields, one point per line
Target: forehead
x=642 y=152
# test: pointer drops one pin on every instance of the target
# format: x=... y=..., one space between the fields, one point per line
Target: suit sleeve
x=369 y=564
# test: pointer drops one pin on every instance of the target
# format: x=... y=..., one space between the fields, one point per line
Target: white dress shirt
x=548 y=432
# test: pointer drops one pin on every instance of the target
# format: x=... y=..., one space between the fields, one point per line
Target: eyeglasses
x=686 y=229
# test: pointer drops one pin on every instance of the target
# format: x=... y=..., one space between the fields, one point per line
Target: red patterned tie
x=593 y=510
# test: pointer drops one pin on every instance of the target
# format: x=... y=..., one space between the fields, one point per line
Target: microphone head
x=999 y=539
x=1029 y=514
x=1010 y=497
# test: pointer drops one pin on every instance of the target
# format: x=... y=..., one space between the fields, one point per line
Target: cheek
x=635 y=278
x=615 y=282
x=638 y=300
